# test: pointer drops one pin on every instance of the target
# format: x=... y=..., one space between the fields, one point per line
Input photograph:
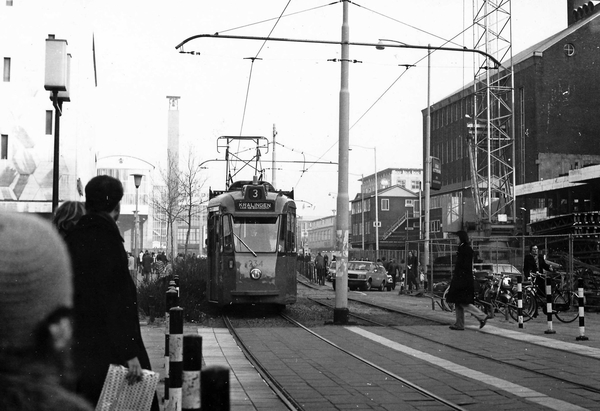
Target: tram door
x=214 y=256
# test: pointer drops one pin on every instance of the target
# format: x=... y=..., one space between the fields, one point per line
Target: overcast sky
x=292 y=87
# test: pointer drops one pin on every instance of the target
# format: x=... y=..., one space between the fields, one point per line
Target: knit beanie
x=35 y=277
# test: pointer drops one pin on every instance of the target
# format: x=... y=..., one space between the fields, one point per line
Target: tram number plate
x=254 y=206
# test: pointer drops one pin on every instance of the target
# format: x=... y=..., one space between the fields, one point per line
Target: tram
x=251 y=245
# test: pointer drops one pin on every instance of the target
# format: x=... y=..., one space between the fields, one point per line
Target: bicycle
x=493 y=294
x=565 y=301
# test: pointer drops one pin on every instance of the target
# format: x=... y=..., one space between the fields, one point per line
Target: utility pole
x=274 y=167
x=341 y=312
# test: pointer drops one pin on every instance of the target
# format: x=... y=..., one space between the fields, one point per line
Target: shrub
x=193 y=274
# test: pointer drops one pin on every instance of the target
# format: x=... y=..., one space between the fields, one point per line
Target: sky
x=290 y=87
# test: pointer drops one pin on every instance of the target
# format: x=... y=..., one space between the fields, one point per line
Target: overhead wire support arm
x=497 y=64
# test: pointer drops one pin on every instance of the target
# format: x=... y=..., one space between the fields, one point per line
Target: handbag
x=118 y=395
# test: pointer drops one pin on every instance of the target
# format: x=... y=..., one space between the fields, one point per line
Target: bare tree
x=190 y=185
x=167 y=198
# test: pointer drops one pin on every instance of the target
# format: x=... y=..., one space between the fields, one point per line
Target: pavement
x=248 y=391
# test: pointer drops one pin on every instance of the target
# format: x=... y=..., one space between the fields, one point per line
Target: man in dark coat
x=462 y=287
x=107 y=329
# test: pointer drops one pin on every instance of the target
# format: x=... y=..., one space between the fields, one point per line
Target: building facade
x=396 y=208
x=555 y=127
x=28 y=118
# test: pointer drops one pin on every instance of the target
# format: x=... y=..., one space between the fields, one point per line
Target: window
x=409 y=203
x=401 y=182
x=9 y=2
x=385 y=204
x=6 y=69
x=48 y=122
x=415 y=184
x=4 y=147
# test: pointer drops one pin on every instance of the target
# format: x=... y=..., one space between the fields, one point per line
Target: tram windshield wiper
x=245 y=245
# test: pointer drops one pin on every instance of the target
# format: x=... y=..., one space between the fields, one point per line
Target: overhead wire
x=253 y=59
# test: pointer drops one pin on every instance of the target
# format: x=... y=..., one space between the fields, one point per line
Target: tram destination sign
x=242 y=205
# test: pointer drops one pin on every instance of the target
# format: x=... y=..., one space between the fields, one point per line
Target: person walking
x=462 y=288
x=147 y=261
x=320 y=267
x=412 y=271
x=36 y=295
x=107 y=329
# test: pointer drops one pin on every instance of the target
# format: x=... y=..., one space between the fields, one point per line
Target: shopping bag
x=118 y=395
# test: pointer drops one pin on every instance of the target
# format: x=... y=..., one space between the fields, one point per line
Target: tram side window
x=227 y=234
x=290 y=244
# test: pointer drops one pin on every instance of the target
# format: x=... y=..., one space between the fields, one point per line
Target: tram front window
x=257 y=235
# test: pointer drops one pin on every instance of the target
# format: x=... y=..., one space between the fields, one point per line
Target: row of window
x=451 y=113
x=385 y=205
x=357 y=229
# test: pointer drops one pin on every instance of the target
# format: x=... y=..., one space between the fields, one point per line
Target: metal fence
x=575 y=256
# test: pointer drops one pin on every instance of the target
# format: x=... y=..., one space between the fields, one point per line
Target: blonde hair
x=67 y=215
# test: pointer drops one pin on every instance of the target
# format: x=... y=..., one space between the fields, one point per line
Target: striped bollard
x=549 y=305
x=192 y=366
x=170 y=302
x=214 y=381
x=580 y=295
x=175 y=358
x=520 y=300
x=176 y=279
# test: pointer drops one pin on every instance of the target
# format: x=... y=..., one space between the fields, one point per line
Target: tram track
x=288 y=399
x=272 y=382
x=525 y=367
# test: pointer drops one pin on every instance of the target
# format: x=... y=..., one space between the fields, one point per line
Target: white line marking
x=499 y=383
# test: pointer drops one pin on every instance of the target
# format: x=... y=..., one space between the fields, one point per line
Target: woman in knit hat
x=36 y=295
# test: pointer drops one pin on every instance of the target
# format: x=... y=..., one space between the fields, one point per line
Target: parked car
x=365 y=275
x=496 y=269
x=331 y=271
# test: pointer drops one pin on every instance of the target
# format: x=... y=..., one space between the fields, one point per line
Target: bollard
x=520 y=300
x=582 y=336
x=175 y=358
x=214 y=381
x=176 y=279
x=192 y=366
x=170 y=302
x=549 y=305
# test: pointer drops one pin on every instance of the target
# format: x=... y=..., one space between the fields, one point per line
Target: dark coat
x=462 y=287
x=106 y=324
x=529 y=265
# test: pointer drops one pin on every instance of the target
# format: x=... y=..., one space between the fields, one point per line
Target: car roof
x=497 y=267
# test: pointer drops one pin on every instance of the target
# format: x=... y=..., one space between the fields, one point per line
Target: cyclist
x=535 y=263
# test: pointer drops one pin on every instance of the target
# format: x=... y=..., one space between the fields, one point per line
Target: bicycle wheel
x=566 y=306
x=446 y=306
x=529 y=307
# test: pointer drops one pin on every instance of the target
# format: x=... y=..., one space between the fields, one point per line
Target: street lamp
x=376 y=223
x=57 y=75
x=137 y=179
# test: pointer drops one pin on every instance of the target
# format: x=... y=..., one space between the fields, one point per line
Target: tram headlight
x=255 y=274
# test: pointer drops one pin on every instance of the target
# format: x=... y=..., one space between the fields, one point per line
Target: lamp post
x=376 y=222
x=57 y=75
x=137 y=179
